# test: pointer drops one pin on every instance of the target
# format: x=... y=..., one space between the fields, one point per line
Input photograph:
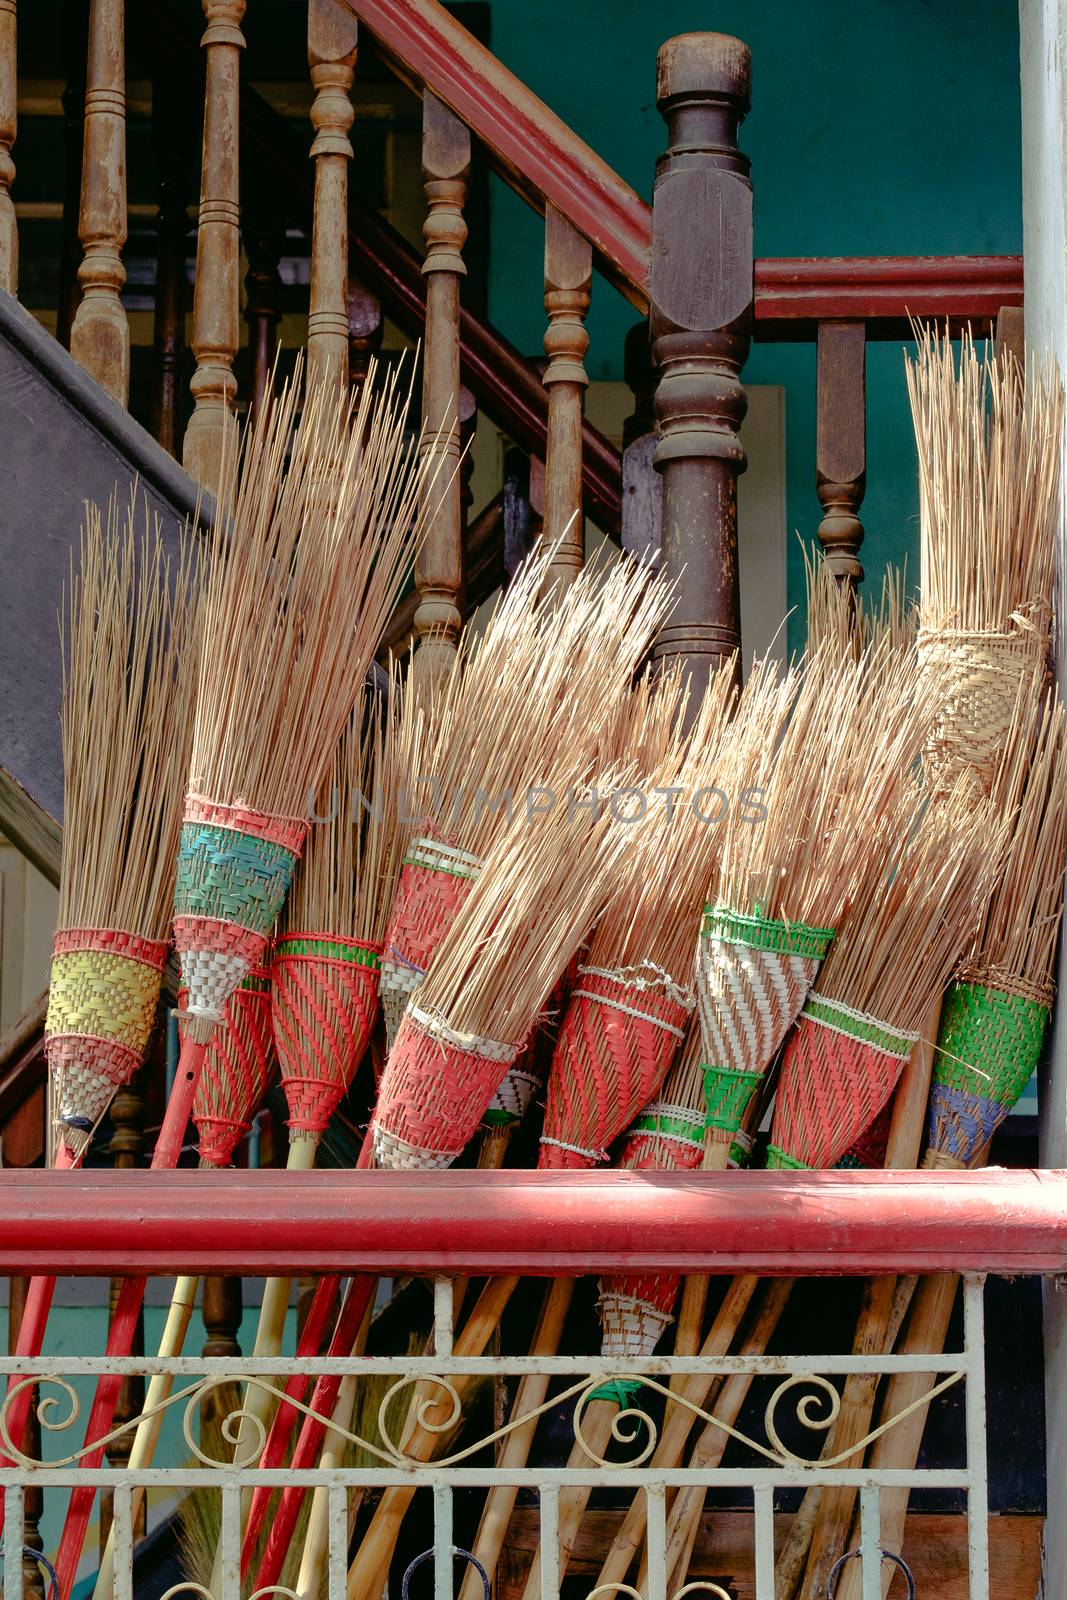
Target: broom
x=989 y=439
x=522 y=673
x=237 y=1071
x=628 y=1007
x=992 y=1027
x=127 y=673
x=294 y=607
x=534 y=900
x=600 y=629
x=324 y=1005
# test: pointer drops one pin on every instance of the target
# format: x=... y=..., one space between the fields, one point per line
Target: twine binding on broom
x=436 y=1086
x=977 y=674
x=435 y=879
x=236 y=1071
x=753 y=975
x=324 y=1003
x=839 y=1069
x=988 y=1046
x=235 y=866
x=617 y=1038
x=102 y=999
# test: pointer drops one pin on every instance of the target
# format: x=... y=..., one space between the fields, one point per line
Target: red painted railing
x=542 y=1224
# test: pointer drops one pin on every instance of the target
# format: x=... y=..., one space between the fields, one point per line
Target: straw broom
x=324 y=1004
x=989 y=440
x=910 y=916
x=884 y=1299
x=988 y=1045
x=531 y=907
x=293 y=610
x=128 y=663
x=509 y=718
x=237 y=1071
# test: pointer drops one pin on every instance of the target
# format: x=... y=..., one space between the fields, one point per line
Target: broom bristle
x=528 y=701
x=989 y=439
x=128 y=671
x=323 y=517
x=655 y=911
x=916 y=905
x=1020 y=928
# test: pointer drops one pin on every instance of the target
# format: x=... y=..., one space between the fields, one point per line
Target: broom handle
x=874 y=1332
x=899 y=1448
x=148 y=1429
x=257 y=1400
x=345 y=1341
x=597 y=1419
x=684 y=1521
x=30 y=1338
x=124 y=1318
x=678 y=1423
x=368 y=1572
x=500 y=1502
x=313 y=1560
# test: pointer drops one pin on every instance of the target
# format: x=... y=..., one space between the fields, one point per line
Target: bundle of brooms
x=129 y=660
x=993 y=1023
x=540 y=889
x=989 y=438
x=523 y=702
x=299 y=587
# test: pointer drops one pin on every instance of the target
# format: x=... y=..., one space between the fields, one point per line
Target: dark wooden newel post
x=700 y=322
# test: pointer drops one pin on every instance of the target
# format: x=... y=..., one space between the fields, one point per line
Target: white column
x=1043 y=42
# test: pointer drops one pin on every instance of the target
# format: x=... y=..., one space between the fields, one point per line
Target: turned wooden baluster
x=9 y=232
x=217 y=292
x=841 y=444
x=700 y=319
x=332 y=34
x=221 y=1307
x=642 y=486
x=446 y=154
x=75 y=51
x=568 y=279
x=126 y=1150
x=366 y=329
x=169 y=130
x=100 y=336
x=263 y=300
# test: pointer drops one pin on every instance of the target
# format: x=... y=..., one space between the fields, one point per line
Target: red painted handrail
x=795 y=293
x=543 y=1224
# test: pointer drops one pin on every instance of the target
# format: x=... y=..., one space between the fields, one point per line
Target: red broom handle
x=124 y=1319
x=312 y=1434
x=281 y=1428
x=322 y=1399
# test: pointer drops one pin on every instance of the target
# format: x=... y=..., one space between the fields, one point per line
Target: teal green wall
x=885 y=127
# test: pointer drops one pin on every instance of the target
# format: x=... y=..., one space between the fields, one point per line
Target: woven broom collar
x=434 y=1091
x=988 y=1047
x=977 y=676
x=435 y=879
x=619 y=1034
x=324 y=1005
x=236 y=1071
x=753 y=975
x=839 y=1069
x=942 y=1161
x=512 y=1100
x=631 y=1325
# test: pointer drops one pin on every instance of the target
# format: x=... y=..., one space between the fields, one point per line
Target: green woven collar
x=329 y=950
x=868 y=1030
x=766 y=933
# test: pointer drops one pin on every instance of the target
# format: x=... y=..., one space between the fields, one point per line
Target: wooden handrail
x=545 y=161
x=531 y=147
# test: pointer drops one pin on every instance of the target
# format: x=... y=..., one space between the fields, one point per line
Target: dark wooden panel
x=62 y=442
